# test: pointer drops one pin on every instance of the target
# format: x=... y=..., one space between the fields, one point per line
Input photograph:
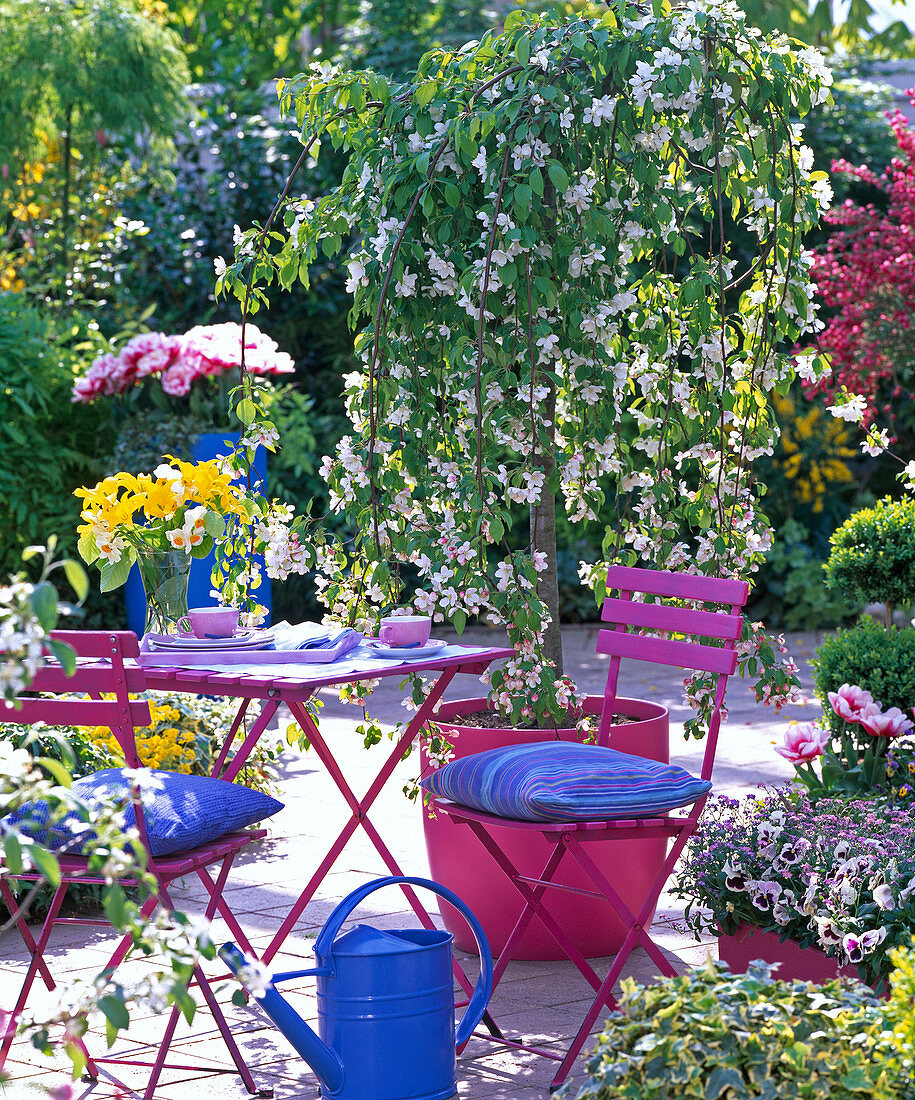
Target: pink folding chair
x=101 y=670
x=527 y=778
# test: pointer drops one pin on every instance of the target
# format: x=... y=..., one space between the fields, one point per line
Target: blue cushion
x=564 y=781
x=181 y=811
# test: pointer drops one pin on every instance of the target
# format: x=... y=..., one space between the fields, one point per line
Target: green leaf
x=114 y=574
x=452 y=196
x=115 y=1011
x=64 y=653
x=115 y=907
x=77 y=577
x=425 y=93
x=523 y=49
x=12 y=851
x=57 y=770
x=46 y=863
x=44 y=604
x=246 y=411
x=459 y=618
x=558 y=176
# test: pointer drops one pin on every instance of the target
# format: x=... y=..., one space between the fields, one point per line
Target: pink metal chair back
x=695 y=627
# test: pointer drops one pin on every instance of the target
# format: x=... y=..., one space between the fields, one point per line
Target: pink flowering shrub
x=866 y=277
x=835 y=873
x=176 y=363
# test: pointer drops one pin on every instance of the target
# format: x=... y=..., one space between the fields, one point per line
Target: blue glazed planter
x=209 y=445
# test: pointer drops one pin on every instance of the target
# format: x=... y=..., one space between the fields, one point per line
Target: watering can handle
x=483 y=988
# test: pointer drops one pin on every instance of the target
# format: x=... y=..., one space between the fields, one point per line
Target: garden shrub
x=789 y=592
x=873 y=554
x=877 y=660
x=714 y=1035
x=48 y=445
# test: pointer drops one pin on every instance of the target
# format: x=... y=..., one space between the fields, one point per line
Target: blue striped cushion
x=181 y=811
x=563 y=781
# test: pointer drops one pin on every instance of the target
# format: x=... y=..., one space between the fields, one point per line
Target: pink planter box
x=806 y=964
x=457 y=859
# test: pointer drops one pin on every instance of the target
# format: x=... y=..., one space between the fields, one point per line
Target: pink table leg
x=359 y=807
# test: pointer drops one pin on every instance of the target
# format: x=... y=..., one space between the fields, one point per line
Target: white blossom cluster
x=21 y=637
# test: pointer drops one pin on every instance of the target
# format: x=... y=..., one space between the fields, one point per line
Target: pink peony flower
x=179 y=378
x=217 y=348
x=890 y=723
x=849 y=701
x=803 y=743
x=98 y=381
x=150 y=353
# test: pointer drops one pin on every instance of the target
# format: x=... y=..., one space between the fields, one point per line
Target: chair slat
x=684 y=586
x=75 y=712
x=663 y=651
x=88 y=678
x=682 y=620
x=97 y=643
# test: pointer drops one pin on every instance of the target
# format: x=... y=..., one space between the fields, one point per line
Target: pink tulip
x=803 y=743
x=849 y=701
x=890 y=723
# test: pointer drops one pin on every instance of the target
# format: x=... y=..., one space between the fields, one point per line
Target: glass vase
x=165 y=574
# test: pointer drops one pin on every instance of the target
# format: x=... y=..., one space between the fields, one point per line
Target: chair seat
x=560 y=781
x=459 y=812
x=171 y=867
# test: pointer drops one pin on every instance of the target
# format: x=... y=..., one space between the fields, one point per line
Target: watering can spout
x=322 y=1059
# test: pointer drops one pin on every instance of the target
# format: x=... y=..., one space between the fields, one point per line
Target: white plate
x=405 y=653
x=245 y=639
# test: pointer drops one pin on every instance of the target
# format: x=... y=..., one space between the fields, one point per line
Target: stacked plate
x=242 y=641
x=406 y=652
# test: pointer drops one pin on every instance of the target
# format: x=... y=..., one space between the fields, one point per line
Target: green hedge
x=880 y=661
x=873 y=554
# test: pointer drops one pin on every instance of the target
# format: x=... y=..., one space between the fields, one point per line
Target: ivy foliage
x=544 y=302
x=713 y=1035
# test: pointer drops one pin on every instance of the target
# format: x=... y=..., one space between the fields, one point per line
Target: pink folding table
x=293 y=687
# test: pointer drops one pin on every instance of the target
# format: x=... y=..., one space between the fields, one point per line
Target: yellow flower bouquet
x=160 y=521
x=181 y=506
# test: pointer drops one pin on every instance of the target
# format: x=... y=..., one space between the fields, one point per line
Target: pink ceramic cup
x=405 y=630
x=210 y=622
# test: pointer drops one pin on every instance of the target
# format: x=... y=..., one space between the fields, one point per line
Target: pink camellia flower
x=803 y=743
x=849 y=701
x=889 y=723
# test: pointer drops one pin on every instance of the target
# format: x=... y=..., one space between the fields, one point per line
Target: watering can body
x=385 y=1006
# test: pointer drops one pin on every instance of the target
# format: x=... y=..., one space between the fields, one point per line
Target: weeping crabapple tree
x=546 y=309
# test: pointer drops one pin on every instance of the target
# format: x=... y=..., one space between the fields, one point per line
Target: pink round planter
x=806 y=964
x=457 y=859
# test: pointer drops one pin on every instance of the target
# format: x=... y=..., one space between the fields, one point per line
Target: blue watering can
x=385 y=1005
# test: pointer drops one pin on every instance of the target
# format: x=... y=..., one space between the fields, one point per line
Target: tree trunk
x=543 y=539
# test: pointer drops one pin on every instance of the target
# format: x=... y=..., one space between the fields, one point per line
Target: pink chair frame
x=571 y=838
x=121 y=714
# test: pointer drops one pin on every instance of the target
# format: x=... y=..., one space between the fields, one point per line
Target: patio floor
x=543 y=1001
